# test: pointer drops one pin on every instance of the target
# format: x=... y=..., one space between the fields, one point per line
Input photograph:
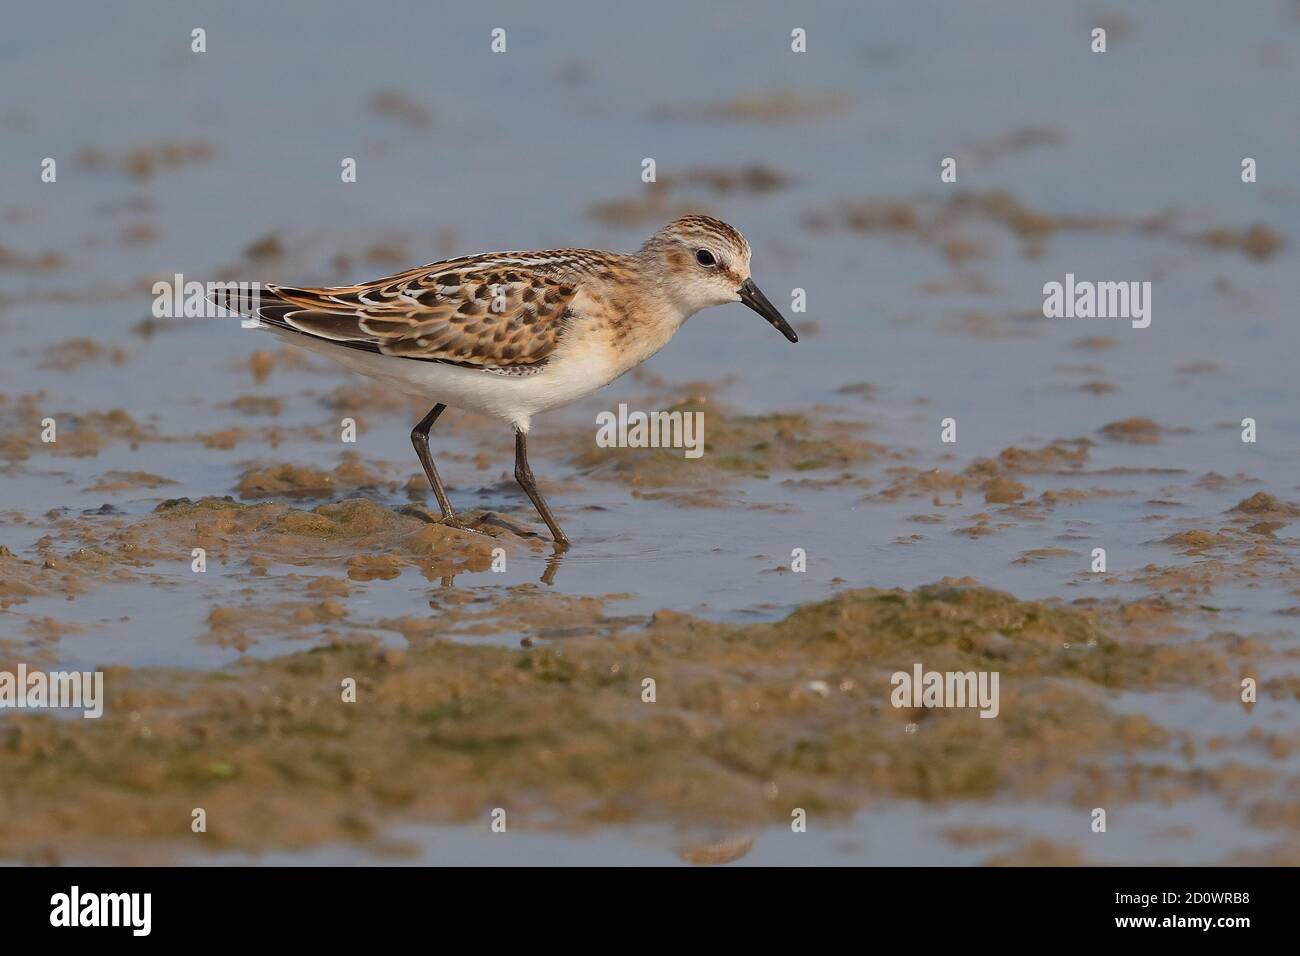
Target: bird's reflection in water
x=557 y=551
x=553 y=566
x=548 y=573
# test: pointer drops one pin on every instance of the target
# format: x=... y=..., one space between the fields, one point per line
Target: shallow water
x=515 y=150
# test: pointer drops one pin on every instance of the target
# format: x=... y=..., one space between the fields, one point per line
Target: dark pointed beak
x=754 y=298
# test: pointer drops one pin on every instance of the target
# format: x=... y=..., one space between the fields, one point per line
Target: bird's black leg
x=420 y=439
x=524 y=475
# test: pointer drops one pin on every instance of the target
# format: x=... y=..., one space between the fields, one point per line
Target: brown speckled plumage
x=500 y=311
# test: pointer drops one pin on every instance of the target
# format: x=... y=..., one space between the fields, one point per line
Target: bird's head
x=699 y=262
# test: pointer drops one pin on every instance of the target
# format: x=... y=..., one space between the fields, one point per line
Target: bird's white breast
x=573 y=373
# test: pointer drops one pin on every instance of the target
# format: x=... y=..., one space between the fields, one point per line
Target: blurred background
x=924 y=301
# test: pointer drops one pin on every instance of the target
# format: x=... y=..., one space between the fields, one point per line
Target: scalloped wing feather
x=495 y=311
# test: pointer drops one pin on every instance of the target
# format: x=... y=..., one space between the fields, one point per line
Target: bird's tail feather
x=255 y=302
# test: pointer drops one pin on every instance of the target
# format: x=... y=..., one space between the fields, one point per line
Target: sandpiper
x=512 y=334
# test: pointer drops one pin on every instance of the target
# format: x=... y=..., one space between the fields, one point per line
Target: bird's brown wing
x=504 y=310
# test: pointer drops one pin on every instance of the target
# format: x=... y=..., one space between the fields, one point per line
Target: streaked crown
x=704 y=232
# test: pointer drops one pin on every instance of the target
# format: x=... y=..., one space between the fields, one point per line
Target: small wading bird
x=512 y=334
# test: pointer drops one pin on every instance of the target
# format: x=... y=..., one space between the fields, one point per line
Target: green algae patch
x=284 y=479
x=365 y=534
x=365 y=538
x=1137 y=430
x=725 y=446
x=739 y=724
x=184 y=507
x=1061 y=456
x=80 y=435
x=1262 y=503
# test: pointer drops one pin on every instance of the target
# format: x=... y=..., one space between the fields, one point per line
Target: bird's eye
x=705 y=258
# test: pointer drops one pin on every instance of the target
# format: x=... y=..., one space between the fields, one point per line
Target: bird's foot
x=464 y=524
